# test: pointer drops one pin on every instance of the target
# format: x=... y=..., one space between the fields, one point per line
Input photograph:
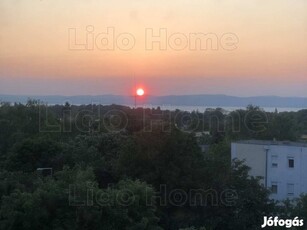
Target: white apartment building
x=282 y=165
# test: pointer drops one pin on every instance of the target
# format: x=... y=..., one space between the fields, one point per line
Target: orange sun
x=140 y=92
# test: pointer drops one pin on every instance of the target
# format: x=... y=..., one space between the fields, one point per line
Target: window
x=274 y=161
x=274 y=188
x=291 y=162
x=290 y=189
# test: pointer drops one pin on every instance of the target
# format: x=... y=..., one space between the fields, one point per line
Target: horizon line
x=148 y=95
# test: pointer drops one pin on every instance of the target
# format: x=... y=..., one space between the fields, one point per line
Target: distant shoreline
x=187 y=101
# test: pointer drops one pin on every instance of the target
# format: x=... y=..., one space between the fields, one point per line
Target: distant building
x=282 y=165
x=304 y=137
x=201 y=140
x=204 y=148
x=201 y=134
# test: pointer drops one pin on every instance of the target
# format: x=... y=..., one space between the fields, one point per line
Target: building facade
x=282 y=165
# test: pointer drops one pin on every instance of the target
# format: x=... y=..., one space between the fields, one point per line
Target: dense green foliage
x=119 y=168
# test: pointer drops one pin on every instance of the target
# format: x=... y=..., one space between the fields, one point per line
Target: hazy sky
x=73 y=47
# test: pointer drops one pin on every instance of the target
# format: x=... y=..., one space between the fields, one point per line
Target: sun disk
x=140 y=92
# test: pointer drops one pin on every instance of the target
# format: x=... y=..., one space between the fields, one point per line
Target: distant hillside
x=173 y=100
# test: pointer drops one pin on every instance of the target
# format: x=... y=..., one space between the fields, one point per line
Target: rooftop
x=281 y=143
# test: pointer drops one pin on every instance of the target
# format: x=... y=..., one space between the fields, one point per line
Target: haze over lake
x=172 y=102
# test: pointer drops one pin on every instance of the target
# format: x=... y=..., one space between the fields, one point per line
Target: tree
x=64 y=203
x=34 y=153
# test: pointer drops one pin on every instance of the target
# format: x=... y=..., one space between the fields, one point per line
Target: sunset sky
x=46 y=49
